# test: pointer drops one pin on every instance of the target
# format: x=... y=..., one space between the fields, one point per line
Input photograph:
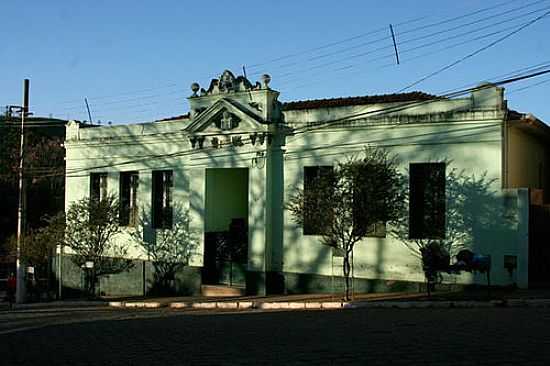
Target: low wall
x=137 y=281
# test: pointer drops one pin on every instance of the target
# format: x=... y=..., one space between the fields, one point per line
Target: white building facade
x=233 y=163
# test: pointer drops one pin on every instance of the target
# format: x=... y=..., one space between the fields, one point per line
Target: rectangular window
x=128 y=198
x=317 y=183
x=427 y=201
x=98 y=186
x=377 y=230
x=162 y=199
x=364 y=200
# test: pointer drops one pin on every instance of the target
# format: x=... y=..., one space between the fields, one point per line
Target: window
x=128 y=198
x=317 y=183
x=377 y=230
x=427 y=201
x=98 y=186
x=162 y=199
x=366 y=197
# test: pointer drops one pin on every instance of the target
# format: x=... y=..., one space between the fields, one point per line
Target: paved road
x=514 y=336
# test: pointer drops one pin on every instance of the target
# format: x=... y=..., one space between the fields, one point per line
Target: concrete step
x=222 y=291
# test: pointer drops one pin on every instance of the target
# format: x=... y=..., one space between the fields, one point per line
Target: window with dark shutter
x=427 y=201
x=317 y=185
x=128 y=198
x=98 y=186
x=162 y=199
x=363 y=201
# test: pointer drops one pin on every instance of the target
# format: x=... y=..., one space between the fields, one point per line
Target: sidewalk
x=464 y=299
x=474 y=298
x=54 y=305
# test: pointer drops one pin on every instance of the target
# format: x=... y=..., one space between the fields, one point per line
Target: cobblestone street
x=363 y=336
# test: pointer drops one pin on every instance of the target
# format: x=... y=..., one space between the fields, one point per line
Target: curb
x=514 y=303
x=234 y=305
x=57 y=305
x=302 y=305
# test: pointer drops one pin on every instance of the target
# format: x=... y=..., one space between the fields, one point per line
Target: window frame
x=98 y=190
x=161 y=199
x=422 y=223
x=128 y=210
x=309 y=227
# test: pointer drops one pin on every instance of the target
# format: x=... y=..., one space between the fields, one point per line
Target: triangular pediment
x=226 y=117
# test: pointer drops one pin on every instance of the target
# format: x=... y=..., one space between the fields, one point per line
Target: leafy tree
x=88 y=229
x=37 y=247
x=169 y=249
x=43 y=172
x=361 y=192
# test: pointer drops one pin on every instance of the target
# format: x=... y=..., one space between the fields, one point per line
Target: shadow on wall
x=476 y=217
x=168 y=247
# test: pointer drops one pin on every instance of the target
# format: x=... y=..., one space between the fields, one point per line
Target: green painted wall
x=254 y=181
x=226 y=197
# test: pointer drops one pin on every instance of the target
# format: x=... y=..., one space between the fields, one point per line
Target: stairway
x=222 y=291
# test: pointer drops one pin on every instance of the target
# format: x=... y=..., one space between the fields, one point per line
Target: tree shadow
x=168 y=249
x=477 y=218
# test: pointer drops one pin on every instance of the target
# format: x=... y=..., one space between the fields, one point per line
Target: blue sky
x=135 y=61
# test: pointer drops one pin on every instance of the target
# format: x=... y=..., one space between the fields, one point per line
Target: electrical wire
x=332 y=44
x=476 y=52
x=74 y=172
x=385 y=29
x=415 y=48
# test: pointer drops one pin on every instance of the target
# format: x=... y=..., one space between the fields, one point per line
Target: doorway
x=226 y=226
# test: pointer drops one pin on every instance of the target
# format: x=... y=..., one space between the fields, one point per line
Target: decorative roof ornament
x=266 y=79
x=229 y=83
x=227 y=79
x=195 y=88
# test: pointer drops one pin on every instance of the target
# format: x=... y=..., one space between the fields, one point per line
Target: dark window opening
x=427 y=201
x=317 y=185
x=128 y=198
x=98 y=186
x=162 y=199
x=365 y=201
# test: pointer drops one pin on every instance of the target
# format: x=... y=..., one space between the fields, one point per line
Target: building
x=237 y=157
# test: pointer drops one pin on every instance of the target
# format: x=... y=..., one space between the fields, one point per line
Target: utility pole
x=20 y=276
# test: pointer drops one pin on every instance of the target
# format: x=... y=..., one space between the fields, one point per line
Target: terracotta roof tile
x=367 y=99
x=174 y=118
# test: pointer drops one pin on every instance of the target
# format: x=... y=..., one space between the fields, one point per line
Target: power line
x=431 y=25
x=328 y=45
x=314 y=49
x=529 y=86
x=447 y=30
x=384 y=29
x=470 y=55
x=409 y=59
x=424 y=45
x=145 y=97
x=382 y=111
x=393 y=109
x=332 y=44
x=398 y=108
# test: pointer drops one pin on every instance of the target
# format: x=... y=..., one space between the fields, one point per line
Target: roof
x=350 y=101
x=33 y=120
x=341 y=102
x=529 y=123
x=174 y=118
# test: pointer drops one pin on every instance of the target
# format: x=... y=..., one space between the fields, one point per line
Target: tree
x=168 y=248
x=88 y=229
x=344 y=206
x=44 y=171
x=37 y=247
